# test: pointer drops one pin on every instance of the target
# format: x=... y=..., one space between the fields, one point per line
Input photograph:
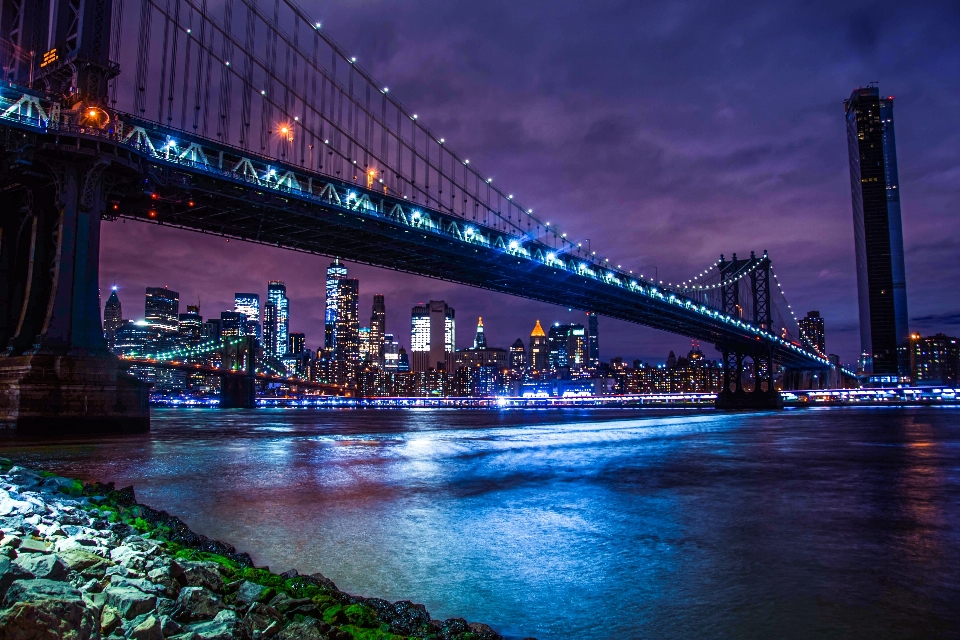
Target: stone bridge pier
x=56 y=374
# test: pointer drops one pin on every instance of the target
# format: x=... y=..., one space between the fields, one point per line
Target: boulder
x=138 y=583
x=46 y=609
x=258 y=618
x=308 y=629
x=250 y=592
x=222 y=627
x=87 y=564
x=29 y=545
x=110 y=619
x=130 y=601
x=169 y=626
x=197 y=603
x=482 y=631
x=9 y=572
x=147 y=628
x=45 y=566
x=201 y=574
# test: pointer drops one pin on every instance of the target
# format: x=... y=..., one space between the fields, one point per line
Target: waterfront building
x=136 y=339
x=567 y=347
x=335 y=273
x=539 y=350
x=403 y=362
x=280 y=325
x=211 y=329
x=691 y=374
x=391 y=353
x=811 y=328
x=935 y=360
x=112 y=317
x=270 y=328
x=346 y=350
x=433 y=336
x=161 y=309
x=297 y=343
x=881 y=279
x=233 y=324
x=518 y=358
x=378 y=329
x=593 y=341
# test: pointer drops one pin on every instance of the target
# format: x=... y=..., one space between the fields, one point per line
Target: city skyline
x=685 y=173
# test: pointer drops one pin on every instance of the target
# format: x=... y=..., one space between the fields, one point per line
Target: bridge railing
x=176 y=148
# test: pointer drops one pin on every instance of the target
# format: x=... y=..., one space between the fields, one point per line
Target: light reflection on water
x=580 y=524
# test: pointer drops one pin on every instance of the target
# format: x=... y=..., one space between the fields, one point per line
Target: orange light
x=190 y=203
x=153 y=195
x=153 y=214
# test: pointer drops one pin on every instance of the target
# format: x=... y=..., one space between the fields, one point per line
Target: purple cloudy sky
x=666 y=132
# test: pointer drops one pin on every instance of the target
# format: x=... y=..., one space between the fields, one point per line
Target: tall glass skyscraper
x=162 y=309
x=593 y=340
x=378 y=328
x=433 y=336
x=881 y=279
x=335 y=273
x=347 y=330
x=277 y=294
x=249 y=305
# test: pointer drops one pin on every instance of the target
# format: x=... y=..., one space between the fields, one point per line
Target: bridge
x=266 y=130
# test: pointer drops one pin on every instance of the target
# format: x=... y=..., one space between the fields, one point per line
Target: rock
x=45 y=566
x=166 y=606
x=46 y=609
x=147 y=629
x=202 y=574
x=138 y=583
x=169 y=626
x=222 y=627
x=9 y=572
x=481 y=631
x=250 y=592
x=284 y=603
x=10 y=541
x=306 y=630
x=129 y=601
x=87 y=564
x=189 y=635
x=129 y=557
x=29 y=545
x=453 y=626
x=26 y=479
x=110 y=619
x=197 y=603
x=286 y=575
x=258 y=619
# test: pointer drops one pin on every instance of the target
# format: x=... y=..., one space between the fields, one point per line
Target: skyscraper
x=364 y=342
x=433 y=336
x=593 y=341
x=191 y=325
x=162 y=309
x=539 y=351
x=881 y=279
x=567 y=345
x=249 y=305
x=391 y=353
x=518 y=357
x=480 y=340
x=270 y=327
x=112 y=317
x=297 y=343
x=335 y=273
x=347 y=329
x=233 y=324
x=811 y=328
x=378 y=328
x=277 y=294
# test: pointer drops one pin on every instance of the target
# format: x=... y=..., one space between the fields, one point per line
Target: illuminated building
x=346 y=350
x=518 y=357
x=364 y=341
x=233 y=324
x=935 y=360
x=211 y=329
x=270 y=328
x=249 y=305
x=391 y=353
x=297 y=344
x=690 y=374
x=881 y=281
x=567 y=347
x=403 y=362
x=593 y=341
x=433 y=336
x=480 y=340
x=112 y=317
x=335 y=273
x=811 y=328
x=539 y=350
x=280 y=324
x=190 y=325
x=378 y=329
x=136 y=338
x=162 y=309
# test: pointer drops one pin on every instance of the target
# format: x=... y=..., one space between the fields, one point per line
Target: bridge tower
x=238 y=391
x=763 y=395
x=56 y=373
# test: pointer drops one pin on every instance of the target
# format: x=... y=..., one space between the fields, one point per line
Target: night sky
x=666 y=132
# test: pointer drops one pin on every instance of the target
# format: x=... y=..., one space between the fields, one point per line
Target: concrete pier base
x=753 y=401
x=71 y=394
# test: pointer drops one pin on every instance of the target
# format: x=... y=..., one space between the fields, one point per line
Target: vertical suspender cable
x=173 y=61
x=143 y=57
x=115 y=46
x=186 y=72
x=201 y=50
x=246 y=106
x=163 y=62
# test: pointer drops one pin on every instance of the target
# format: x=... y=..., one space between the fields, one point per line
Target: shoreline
x=87 y=561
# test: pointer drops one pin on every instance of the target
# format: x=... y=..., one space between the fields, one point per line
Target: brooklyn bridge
x=247 y=120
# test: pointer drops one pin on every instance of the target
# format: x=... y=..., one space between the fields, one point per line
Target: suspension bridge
x=245 y=119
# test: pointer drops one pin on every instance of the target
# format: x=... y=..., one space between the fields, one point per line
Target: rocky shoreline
x=82 y=562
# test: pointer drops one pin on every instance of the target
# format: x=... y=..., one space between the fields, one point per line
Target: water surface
x=577 y=524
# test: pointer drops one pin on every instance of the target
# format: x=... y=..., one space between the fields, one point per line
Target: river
x=586 y=524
